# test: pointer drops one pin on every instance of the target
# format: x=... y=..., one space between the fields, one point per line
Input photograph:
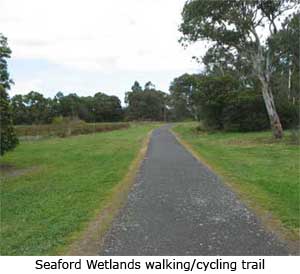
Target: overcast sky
x=87 y=46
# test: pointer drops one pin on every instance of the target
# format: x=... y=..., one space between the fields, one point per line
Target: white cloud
x=25 y=86
x=98 y=34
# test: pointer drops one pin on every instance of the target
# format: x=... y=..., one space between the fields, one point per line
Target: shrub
x=212 y=96
x=289 y=113
x=245 y=111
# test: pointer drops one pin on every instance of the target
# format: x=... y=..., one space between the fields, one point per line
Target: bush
x=212 y=96
x=224 y=106
x=289 y=113
x=245 y=111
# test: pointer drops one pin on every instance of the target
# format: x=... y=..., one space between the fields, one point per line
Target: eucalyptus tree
x=182 y=90
x=285 y=45
x=148 y=104
x=243 y=27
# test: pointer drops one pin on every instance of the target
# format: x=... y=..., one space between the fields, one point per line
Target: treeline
x=142 y=104
x=34 y=108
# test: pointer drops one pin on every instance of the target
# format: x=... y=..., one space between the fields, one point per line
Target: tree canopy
x=147 y=104
x=235 y=26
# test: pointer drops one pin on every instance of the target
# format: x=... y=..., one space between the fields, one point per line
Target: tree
x=34 y=108
x=235 y=25
x=182 y=89
x=285 y=46
x=8 y=137
x=211 y=95
x=19 y=110
x=136 y=86
x=149 y=86
x=147 y=104
x=38 y=108
x=107 y=108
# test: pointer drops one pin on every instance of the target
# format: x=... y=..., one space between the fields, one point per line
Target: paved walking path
x=179 y=207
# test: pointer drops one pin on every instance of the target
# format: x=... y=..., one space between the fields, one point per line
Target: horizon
x=111 y=46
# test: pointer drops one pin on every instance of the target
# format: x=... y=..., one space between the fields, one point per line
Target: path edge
x=90 y=240
x=270 y=223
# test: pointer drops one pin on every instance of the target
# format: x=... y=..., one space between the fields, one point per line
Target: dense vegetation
x=146 y=104
x=243 y=70
x=34 y=108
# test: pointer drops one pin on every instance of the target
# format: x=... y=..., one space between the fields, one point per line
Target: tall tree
x=285 y=45
x=147 y=104
x=8 y=137
x=235 y=25
x=182 y=90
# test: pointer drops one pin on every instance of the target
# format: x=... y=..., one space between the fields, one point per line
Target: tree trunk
x=270 y=106
x=263 y=73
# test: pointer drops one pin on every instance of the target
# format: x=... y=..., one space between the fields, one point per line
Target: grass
x=264 y=171
x=65 y=184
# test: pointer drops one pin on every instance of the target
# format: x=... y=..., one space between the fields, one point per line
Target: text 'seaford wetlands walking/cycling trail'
x=179 y=207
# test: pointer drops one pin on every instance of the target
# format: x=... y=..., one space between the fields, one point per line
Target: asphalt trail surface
x=179 y=207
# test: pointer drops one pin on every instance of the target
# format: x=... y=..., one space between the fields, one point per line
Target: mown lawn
x=265 y=171
x=58 y=185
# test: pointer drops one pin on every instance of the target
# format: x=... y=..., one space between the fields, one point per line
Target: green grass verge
x=59 y=185
x=265 y=171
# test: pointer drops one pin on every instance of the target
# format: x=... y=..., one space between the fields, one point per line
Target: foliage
x=222 y=102
x=181 y=97
x=245 y=111
x=285 y=46
x=8 y=137
x=5 y=53
x=34 y=108
x=145 y=105
x=212 y=96
x=234 y=25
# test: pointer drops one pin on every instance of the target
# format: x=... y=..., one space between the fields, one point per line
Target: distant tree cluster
x=146 y=104
x=248 y=83
x=34 y=108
